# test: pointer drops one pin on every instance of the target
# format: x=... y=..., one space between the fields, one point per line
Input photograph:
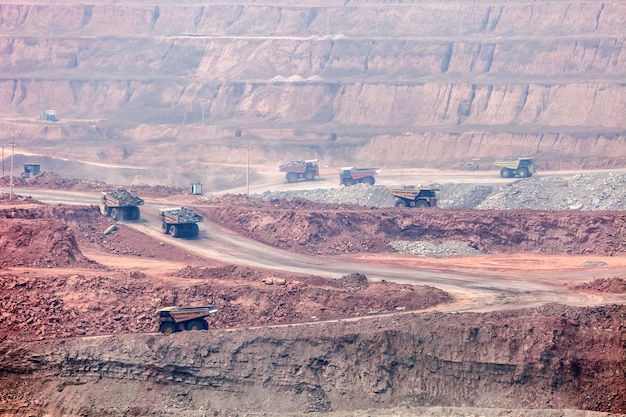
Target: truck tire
x=506 y=173
x=291 y=177
x=136 y=213
x=195 y=325
x=421 y=204
x=522 y=173
x=167 y=328
x=309 y=175
x=401 y=203
x=348 y=182
x=116 y=213
x=194 y=230
x=368 y=180
x=175 y=230
x=165 y=228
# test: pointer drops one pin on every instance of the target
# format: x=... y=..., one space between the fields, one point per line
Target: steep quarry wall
x=433 y=84
x=519 y=359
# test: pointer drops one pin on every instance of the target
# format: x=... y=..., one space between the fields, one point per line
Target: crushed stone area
x=582 y=192
x=330 y=229
x=433 y=250
x=594 y=191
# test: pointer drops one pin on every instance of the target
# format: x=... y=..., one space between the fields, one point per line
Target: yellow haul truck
x=177 y=319
x=520 y=167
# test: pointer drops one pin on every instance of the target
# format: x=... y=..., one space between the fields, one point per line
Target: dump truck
x=297 y=170
x=177 y=319
x=351 y=175
x=520 y=167
x=121 y=204
x=419 y=197
x=180 y=222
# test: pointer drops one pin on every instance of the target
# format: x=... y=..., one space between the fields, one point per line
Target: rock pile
x=598 y=191
x=433 y=250
x=123 y=197
x=182 y=215
x=581 y=192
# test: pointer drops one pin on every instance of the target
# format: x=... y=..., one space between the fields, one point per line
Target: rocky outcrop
x=314 y=228
x=465 y=80
x=518 y=359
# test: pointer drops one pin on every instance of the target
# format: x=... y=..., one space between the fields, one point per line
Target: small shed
x=30 y=170
x=196 y=188
x=50 y=115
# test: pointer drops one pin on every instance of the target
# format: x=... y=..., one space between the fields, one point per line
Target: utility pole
x=248 y=169
x=2 y=161
x=11 y=181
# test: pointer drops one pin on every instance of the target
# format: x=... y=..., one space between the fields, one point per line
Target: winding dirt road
x=483 y=283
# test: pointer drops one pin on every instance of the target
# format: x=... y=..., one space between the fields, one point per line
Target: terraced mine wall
x=368 y=81
x=550 y=357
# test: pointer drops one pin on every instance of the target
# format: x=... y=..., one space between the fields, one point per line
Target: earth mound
x=309 y=227
x=52 y=181
x=608 y=285
x=39 y=243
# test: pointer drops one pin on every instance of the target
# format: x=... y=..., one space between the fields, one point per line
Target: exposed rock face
x=509 y=359
x=28 y=240
x=314 y=228
x=377 y=82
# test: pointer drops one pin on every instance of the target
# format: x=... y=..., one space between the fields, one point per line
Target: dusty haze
x=185 y=86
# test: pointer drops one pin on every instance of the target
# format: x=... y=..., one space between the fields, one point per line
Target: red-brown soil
x=83 y=297
x=79 y=306
x=51 y=180
x=313 y=228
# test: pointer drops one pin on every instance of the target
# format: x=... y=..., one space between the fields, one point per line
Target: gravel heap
x=603 y=191
x=581 y=192
x=182 y=215
x=433 y=250
x=124 y=198
x=359 y=194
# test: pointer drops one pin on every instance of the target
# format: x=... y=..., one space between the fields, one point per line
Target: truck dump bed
x=299 y=166
x=186 y=313
x=175 y=319
x=121 y=198
x=300 y=169
x=410 y=197
x=180 y=215
x=351 y=175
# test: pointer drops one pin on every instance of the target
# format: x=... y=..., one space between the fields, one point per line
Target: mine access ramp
x=180 y=222
x=121 y=204
x=176 y=319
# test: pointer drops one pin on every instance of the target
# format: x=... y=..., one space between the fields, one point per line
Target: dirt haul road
x=310 y=344
x=484 y=283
